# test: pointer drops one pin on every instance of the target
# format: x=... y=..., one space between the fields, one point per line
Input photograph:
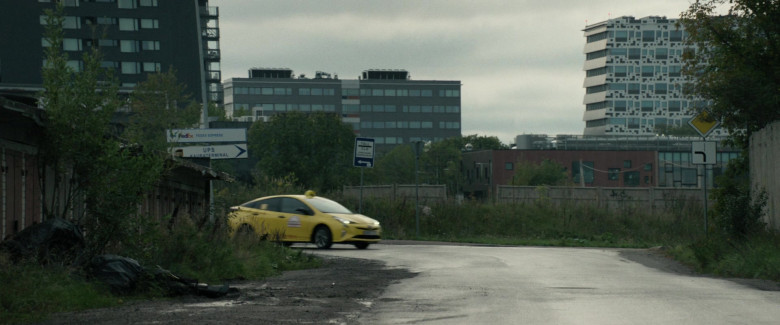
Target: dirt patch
x=336 y=293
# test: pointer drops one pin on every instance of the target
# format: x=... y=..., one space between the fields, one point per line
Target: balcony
x=210 y=12
x=213 y=75
x=210 y=33
x=211 y=55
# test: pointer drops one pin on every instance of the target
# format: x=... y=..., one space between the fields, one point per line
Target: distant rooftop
x=383 y=74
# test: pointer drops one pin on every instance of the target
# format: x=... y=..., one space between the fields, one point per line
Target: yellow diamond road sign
x=703 y=123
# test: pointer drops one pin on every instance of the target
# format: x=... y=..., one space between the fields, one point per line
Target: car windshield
x=327 y=206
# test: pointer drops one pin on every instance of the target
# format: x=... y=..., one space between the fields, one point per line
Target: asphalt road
x=534 y=285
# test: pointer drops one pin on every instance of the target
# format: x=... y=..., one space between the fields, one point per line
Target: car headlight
x=343 y=221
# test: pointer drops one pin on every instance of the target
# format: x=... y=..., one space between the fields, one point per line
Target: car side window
x=271 y=204
x=290 y=205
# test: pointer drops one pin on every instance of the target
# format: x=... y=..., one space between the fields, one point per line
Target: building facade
x=386 y=105
x=598 y=161
x=633 y=77
x=136 y=37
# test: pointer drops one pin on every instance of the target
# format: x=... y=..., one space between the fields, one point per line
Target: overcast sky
x=520 y=61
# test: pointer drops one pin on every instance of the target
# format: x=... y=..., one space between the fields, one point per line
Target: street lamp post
x=418 y=146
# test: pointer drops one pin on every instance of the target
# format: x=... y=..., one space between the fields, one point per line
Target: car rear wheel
x=361 y=245
x=322 y=237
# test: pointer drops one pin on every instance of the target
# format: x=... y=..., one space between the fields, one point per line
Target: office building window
x=108 y=42
x=71 y=44
x=150 y=45
x=76 y=65
x=106 y=20
x=128 y=46
x=586 y=169
x=150 y=23
x=130 y=68
x=128 y=24
x=509 y=166
x=148 y=3
x=151 y=67
x=613 y=174
x=414 y=124
x=126 y=4
x=631 y=179
x=426 y=93
x=634 y=53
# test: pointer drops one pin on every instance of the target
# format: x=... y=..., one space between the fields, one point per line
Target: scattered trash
x=54 y=241
x=59 y=242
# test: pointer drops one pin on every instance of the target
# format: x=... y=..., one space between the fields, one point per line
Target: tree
x=395 y=167
x=483 y=142
x=158 y=104
x=736 y=65
x=315 y=148
x=546 y=173
x=91 y=178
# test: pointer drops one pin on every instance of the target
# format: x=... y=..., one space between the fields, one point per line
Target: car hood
x=356 y=218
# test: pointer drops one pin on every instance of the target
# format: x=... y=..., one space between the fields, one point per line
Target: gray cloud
x=520 y=62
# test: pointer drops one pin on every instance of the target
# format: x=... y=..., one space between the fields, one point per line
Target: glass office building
x=135 y=37
x=633 y=77
x=386 y=105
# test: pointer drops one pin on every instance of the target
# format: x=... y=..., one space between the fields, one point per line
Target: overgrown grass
x=756 y=257
x=678 y=228
x=540 y=223
x=30 y=292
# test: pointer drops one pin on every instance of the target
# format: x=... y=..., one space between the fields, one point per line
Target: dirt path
x=334 y=294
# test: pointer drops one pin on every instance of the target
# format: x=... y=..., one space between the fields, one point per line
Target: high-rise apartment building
x=386 y=105
x=633 y=77
x=136 y=37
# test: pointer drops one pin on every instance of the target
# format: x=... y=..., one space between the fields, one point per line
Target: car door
x=296 y=216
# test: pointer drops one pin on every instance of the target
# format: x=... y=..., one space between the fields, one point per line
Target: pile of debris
x=60 y=242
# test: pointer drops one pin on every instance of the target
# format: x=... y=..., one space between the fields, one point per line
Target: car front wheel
x=322 y=237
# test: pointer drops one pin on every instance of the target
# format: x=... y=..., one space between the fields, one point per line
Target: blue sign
x=364 y=152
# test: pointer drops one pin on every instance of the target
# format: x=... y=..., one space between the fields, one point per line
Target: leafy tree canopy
x=315 y=148
x=94 y=180
x=158 y=104
x=546 y=173
x=483 y=142
x=737 y=62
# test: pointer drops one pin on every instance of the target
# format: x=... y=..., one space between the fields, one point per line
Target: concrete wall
x=764 y=158
x=653 y=200
x=427 y=192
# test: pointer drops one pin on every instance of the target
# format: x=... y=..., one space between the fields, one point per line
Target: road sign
x=206 y=135
x=704 y=152
x=228 y=151
x=364 y=152
x=703 y=123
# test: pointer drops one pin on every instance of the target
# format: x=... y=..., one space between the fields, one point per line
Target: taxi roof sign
x=703 y=123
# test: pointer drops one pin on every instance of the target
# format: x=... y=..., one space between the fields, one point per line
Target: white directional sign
x=228 y=151
x=206 y=135
x=364 y=152
x=704 y=152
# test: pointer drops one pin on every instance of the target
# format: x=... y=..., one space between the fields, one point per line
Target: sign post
x=704 y=153
x=364 y=157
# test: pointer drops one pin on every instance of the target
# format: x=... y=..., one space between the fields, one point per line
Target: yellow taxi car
x=303 y=219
